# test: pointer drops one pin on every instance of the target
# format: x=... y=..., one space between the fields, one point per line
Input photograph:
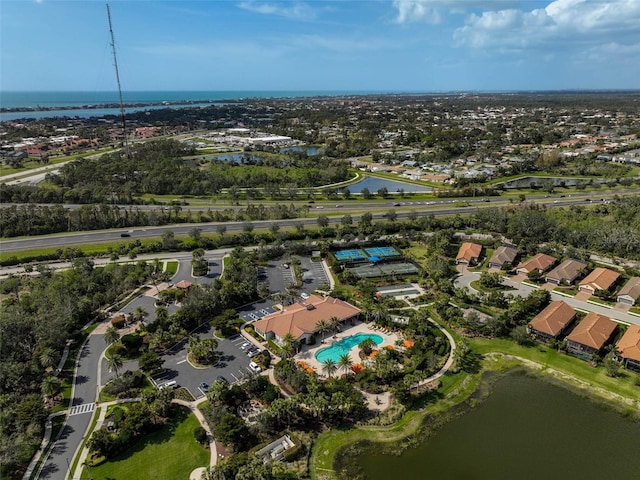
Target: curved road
x=464 y=281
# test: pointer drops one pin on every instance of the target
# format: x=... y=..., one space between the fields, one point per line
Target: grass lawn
x=171 y=268
x=588 y=375
x=171 y=453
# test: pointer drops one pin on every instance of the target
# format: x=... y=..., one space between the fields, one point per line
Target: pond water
x=375 y=183
x=526 y=429
x=233 y=157
x=311 y=151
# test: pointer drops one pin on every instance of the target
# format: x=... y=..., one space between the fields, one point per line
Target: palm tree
x=115 y=362
x=367 y=345
x=322 y=327
x=329 y=367
x=47 y=357
x=50 y=386
x=345 y=362
x=161 y=312
x=139 y=314
x=111 y=335
x=289 y=345
x=335 y=323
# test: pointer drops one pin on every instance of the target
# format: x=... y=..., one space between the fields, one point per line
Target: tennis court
x=350 y=255
x=382 y=252
x=384 y=269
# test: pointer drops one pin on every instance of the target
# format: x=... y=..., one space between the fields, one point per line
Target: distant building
x=591 y=335
x=568 y=271
x=599 y=279
x=630 y=293
x=552 y=322
x=469 y=253
x=504 y=254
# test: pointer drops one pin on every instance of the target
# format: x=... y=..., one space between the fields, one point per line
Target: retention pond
x=526 y=429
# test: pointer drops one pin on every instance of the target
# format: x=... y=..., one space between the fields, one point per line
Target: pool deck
x=307 y=353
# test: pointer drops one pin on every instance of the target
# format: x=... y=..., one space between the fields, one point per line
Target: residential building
x=275 y=450
x=540 y=262
x=504 y=254
x=630 y=293
x=599 y=279
x=552 y=322
x=568 y=271
x=469 y=253
x=629 y=347
x=591 y=335
x=301 y=319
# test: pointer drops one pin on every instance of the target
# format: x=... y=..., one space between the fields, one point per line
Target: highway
x=103 y=236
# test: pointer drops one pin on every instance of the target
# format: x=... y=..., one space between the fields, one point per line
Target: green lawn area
x=171 y=268
x=171 y=453
x=550 y=358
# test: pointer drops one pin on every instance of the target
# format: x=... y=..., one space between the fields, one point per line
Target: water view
x=526 y=429
x=310 y=151
x=375 y=183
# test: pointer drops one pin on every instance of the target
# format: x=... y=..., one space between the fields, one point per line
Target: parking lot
x=234 y=361
x=233 y=365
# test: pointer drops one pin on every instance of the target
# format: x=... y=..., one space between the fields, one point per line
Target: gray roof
x=631 y=288
x=504 y=254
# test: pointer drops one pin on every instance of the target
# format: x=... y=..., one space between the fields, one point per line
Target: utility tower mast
x=115 y=64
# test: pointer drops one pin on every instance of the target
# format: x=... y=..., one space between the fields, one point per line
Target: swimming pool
x=343 y=346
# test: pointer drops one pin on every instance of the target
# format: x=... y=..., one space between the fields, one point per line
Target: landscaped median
x=499 y=355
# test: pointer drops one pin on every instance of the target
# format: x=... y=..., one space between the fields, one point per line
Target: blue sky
x=376 y=45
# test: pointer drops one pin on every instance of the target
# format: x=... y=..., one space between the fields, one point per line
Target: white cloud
x=294 y=11
x=416 y=11
x=433 y=11
x=561 y=23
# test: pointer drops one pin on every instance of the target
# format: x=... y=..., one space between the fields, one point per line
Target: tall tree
x=114 y=363
x=111 y=335
x=329 y=367
x=345 y=362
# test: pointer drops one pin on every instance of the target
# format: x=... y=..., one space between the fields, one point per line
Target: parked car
x=245 y=345
x=204 y=386
x=304 y=295
x=253 y=353
x=222 y=379
x=171 y=384
x=254 y=367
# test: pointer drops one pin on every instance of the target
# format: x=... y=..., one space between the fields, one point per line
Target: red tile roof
x=469 y=251
x=593 y=331
x=299 y=319
x=629 y=344
x=540 y=262
x=553 y=319
x=600 y=278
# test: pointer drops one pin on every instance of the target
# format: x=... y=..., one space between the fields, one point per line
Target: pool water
x=343 y=346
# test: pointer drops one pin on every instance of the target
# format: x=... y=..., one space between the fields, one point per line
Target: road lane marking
x=181 y=361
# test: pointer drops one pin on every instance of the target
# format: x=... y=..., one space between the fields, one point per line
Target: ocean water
x=78 y=99
x=74 y=103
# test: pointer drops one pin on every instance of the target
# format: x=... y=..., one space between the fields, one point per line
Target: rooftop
x=593 y=331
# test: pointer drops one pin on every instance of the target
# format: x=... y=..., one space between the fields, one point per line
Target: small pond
x=526 y=429
x=311 y=151
x=375 y=183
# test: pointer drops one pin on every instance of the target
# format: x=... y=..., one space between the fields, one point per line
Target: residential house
x=469 y=253
x=591 y=335
x=630 y=293
x=504 y=254
x=552 y=322
x=275 y=450
x=629 y=347
x=600 y=279
x=540 y=262
x=568 y=271
x=301 y=319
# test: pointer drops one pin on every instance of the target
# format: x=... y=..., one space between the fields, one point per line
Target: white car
x=254 y=367
x=304 y=295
